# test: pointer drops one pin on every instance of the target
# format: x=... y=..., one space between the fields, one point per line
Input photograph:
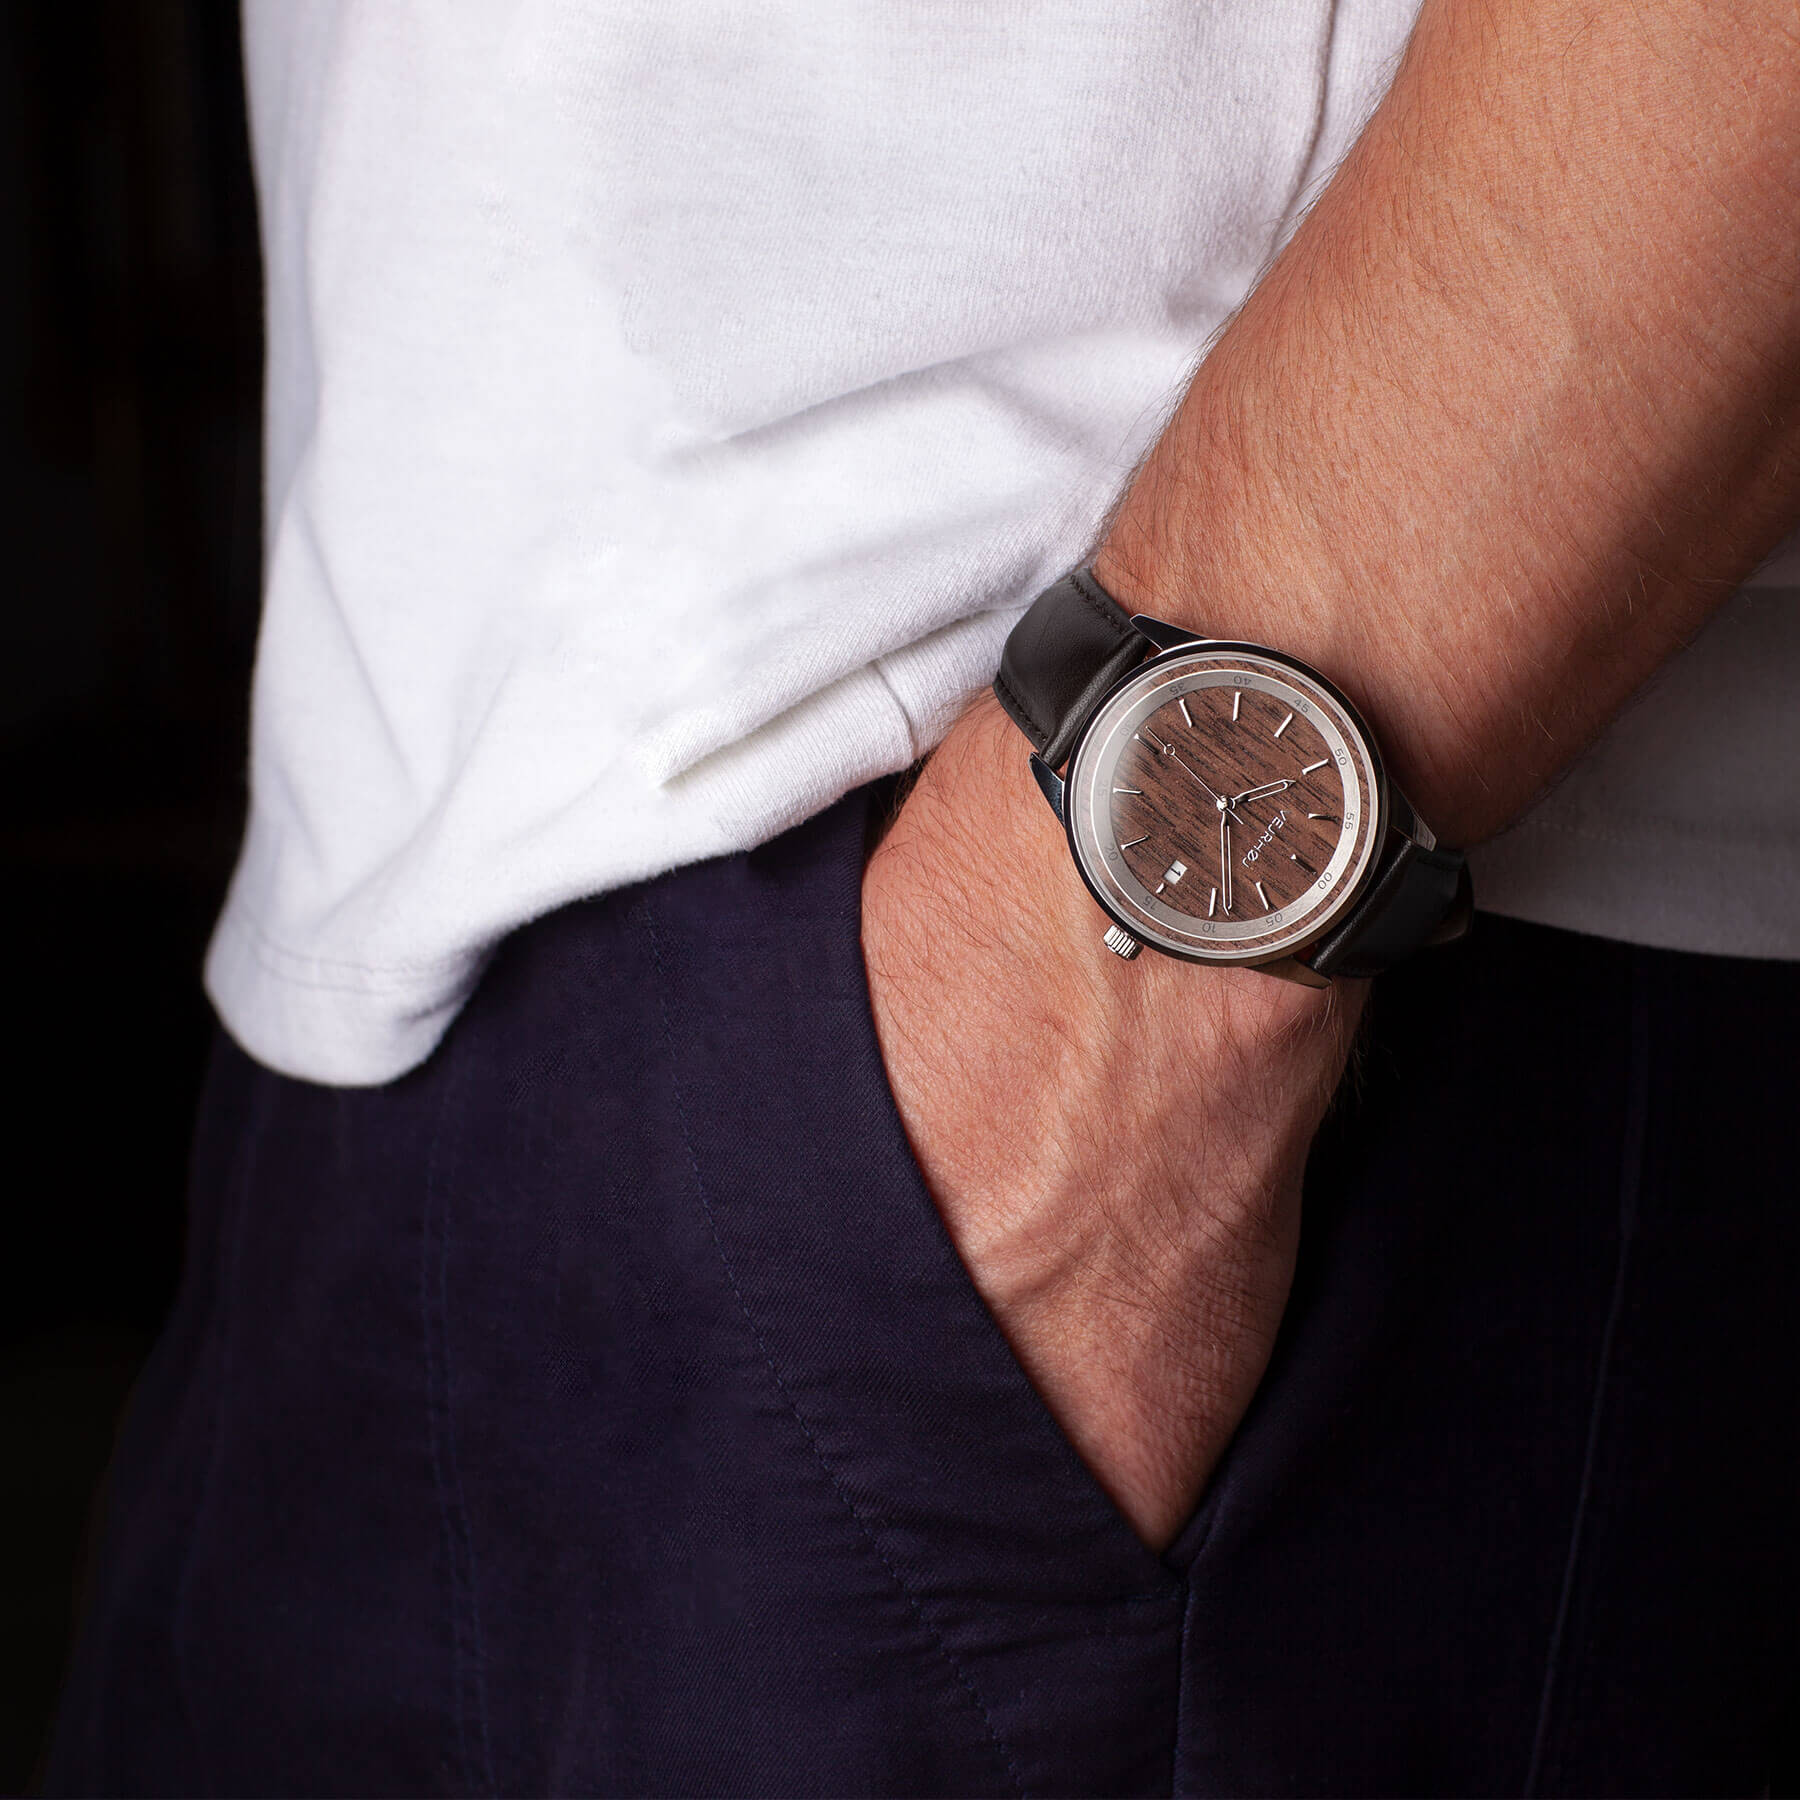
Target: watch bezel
x=1167 y=664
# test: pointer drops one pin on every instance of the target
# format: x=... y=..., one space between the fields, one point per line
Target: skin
x=1518 y=406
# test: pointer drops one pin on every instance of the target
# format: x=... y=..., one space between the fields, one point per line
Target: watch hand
x=1212 y=794
x=1225 y=857
x=1268 y=787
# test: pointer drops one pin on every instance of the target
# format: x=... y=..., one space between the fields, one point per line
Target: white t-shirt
x=671 y=405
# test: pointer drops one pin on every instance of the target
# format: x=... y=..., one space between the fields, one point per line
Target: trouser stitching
x=845 y=1498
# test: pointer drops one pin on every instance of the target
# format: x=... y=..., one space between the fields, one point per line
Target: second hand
x=1217 y=799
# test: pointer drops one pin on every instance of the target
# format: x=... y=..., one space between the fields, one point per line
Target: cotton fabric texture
x=671 y=405
x=602 y=1408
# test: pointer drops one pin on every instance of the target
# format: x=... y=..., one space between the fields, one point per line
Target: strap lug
x=1163 y=636
x=1050 y=784
x=1290 y=968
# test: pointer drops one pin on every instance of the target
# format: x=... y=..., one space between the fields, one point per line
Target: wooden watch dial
x=1281 y=840
x=1227 y=805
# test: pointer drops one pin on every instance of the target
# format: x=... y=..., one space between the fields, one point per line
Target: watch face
x=1223 y=804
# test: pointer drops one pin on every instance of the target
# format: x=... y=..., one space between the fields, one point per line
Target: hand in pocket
x=1116 y=1148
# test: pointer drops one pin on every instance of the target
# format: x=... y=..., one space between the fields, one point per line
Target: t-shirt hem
x=335 y=1023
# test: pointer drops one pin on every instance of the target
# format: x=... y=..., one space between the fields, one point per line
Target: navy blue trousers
x=602 y=1408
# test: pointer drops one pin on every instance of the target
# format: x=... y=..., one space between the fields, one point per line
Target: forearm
x=1514 y=409
x=1520 y=403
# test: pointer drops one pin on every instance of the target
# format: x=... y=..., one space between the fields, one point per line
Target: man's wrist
x=1261 y=585
x=1259 y=518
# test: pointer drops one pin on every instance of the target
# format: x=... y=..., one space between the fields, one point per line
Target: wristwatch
x=1224 y=803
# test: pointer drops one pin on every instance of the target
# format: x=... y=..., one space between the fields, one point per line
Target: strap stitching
x=1022 y=714
x=1088 y=699
x=1110 y=614
x=1103 y=605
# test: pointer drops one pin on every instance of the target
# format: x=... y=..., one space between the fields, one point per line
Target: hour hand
x=1256 y=793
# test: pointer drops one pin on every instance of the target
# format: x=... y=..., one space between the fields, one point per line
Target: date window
x=1173 y=873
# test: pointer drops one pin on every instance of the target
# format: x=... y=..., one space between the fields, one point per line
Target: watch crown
x=1121 y=943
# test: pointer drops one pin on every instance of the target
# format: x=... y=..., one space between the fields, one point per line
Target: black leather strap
x=1073 y=643
x=1418 y=897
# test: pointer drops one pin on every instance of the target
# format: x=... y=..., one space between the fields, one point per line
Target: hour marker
x=1301 y=860
x=1135 y=842
x=1138 y=791
x=1174 y=872
x=1161 y=885
x=1329 y=818
x=1237 y=700
x=1264 y=898
x=1285 y=723
x=1212 y=901
x=1323 y=760
x=1185 y=713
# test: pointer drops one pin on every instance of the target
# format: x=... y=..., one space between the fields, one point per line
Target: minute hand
x=1218 y=800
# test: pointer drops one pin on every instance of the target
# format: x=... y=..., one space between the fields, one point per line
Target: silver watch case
x=1180 y=663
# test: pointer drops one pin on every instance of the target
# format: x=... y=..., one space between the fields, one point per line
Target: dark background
x=130 y=370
